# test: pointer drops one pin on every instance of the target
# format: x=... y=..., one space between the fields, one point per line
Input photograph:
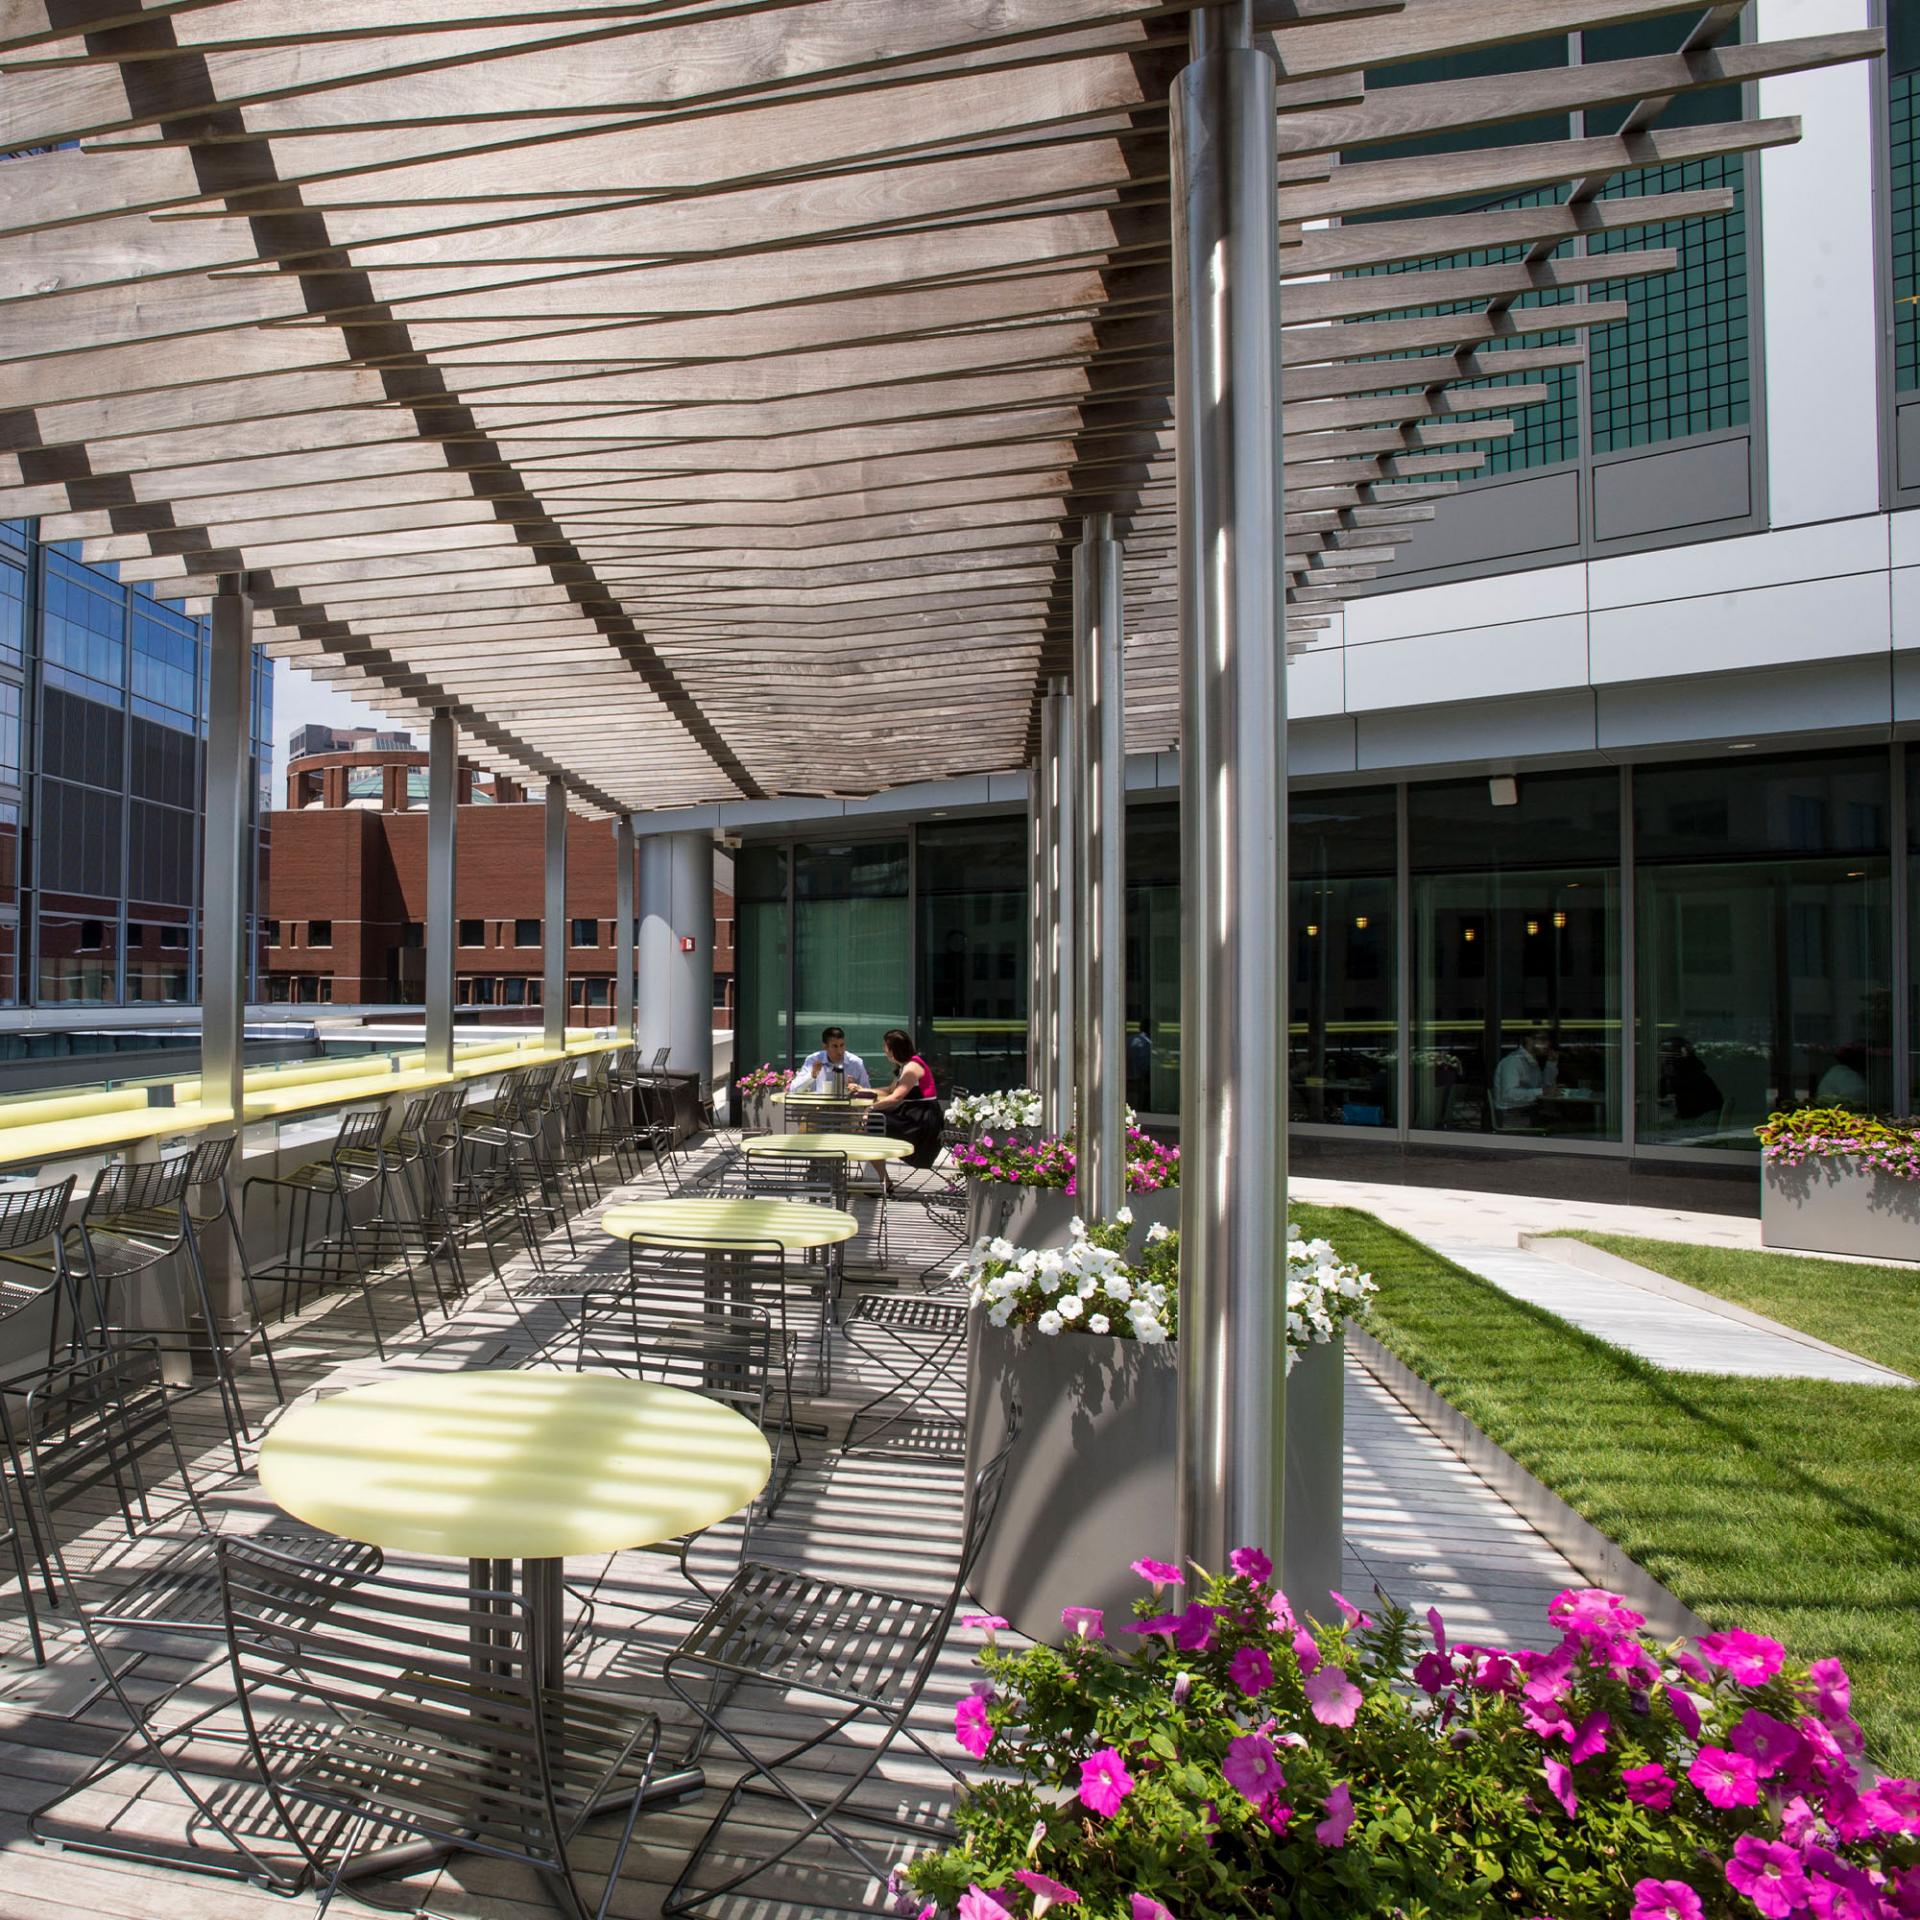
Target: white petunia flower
x=1157 y=1232
x=1125 y=1216
x=1068 y=1306
x=1098 y=1323
x=1049 y=1322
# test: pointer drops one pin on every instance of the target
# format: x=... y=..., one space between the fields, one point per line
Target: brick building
x=348 y=897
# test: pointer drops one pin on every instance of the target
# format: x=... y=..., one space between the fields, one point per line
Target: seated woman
x=911 y=1105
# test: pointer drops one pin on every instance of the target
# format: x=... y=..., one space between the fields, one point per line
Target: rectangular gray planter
x=1839 y=1206
x=1043 y=1216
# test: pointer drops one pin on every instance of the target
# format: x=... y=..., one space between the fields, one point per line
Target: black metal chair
x=866 y=1654
x=33 y=1241
x=494 y=1184
x=918 y=1341
x=824 y=1179
x=409 y=1713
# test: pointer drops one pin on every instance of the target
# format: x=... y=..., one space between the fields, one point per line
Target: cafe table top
x=866 y=1147
x=731 y=1225
x=509 y=1465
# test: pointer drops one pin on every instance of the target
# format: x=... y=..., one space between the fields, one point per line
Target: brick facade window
x=526 y=933
x=583 y=933
x=473 y=933
x=320 y=934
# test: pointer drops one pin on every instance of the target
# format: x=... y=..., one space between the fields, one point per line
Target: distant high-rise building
x=316 y=738
x=103 y=715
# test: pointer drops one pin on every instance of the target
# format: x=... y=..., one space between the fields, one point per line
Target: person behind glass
x=911 y=1106
x=819 y=1072
x=1523 y=1080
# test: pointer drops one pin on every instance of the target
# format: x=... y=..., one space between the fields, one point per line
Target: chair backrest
x=211 y=1158
x=660 y=1058
x=799 y=1176
x=139 y=1186
x=88 y=1424
x=430 y=1113
x=29 y=1215
x=826 y=1116
x=415 y=1667
x=719 y=1345
x=360 y=1131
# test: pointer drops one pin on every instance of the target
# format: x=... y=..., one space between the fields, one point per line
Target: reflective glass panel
x=850 y=945
x=1153 y=959
x=971 y=879
x=761 y=960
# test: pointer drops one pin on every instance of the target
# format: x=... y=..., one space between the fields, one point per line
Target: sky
x=299 y=698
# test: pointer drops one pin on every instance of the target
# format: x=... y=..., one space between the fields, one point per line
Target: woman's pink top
x=928 y=1091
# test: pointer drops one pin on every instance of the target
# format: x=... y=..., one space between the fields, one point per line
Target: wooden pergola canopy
x=699 y=398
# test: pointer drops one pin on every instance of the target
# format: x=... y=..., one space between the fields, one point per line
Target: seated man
x=1523 y=1080
x=817 y=1070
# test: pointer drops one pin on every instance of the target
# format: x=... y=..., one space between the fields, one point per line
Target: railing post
x=438 y=934
x=1233 y=1205
x=224 y=850
x=553 y=990
x=1056 y=737
x=1100 y=1042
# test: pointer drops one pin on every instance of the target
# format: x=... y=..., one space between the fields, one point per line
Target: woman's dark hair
x=898 y=1043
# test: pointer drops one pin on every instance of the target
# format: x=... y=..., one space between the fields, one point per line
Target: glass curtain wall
x=1153 y=959
x=1765 y=918
x=1343 y=924
x=971 y=1001
x=762 y=965
x=851 y=935
x=1516 y=1014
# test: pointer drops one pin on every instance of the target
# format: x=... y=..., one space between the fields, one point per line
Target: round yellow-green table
x=496 y=1466
x=869 y=1149
x=732 y=1226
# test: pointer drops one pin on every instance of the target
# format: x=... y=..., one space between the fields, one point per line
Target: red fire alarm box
x=686 y=943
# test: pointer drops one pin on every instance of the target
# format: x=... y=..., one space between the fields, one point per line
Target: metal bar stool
x=489 y=1191
x=405 y=1223
x=33 y=1240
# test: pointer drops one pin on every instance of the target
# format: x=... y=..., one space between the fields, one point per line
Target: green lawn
x=1791 y=1507
x=1874 y=1311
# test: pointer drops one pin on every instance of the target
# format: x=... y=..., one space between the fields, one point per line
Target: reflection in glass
x=971 y=878
x=77 y=961
x=760 y=957
x=850 y=943
x=1153 y=959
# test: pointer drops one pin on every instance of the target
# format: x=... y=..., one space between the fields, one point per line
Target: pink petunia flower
x=1588 y=1739
x=1332 y=1831
x=1686 y=1709
x=1893 y=1805
x=1160 y=1573
x=1195 y=1628
x=1560 y=1785
x=1768 y=1874
x=1593 y=1613
x=1251 y=1564
x=1104 y=1782
x=1727 y=1779
x=1282 y=1613
x=971 y=1727
x=1769 y=1743
x=1333 y=1697
x=1306 y=1650
x=1046 y=1892
x=977 y=1904
x=1650 y=1787
x=1145 y=1907
x=1251 y=1671
x=1750 y=1659
x=1664 y=1900
x=1438 y=1628
x=1433 y=1672
x=1252 y=1768
x=1348 y=1611
x=1085 y=1623
x=1830 y=1692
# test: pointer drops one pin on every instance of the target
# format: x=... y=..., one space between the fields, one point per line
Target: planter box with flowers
x=1082 y=1337
x=756 y=1089
x=1027 y=1190
x=1837 y=1182
x=1227 y=1759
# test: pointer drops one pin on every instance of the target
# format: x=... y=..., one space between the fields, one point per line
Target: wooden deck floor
x=1418 y=1521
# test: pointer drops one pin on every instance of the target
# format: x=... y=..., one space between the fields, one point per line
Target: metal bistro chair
x=823 y=1179
x=865 y=1653
x=409 y=1218
x=33 y=1241
x=411 y=1713
x=606 y=1120
x=101 y=1424
x=491 y=1191
x=340 y=1254
x=830 y=1116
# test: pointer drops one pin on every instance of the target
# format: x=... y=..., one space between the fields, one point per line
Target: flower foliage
x=999 y=1112
x=765 y=1078
x=1053 y=1163
x=1090 y=1286
x=1833 y=1133
x=1379 y=1769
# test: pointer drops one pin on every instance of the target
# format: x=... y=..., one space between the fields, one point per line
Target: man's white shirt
x=816 y=1073
x=1520 y=1080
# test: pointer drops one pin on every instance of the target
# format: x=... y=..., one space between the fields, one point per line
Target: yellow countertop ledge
x=99 y=1132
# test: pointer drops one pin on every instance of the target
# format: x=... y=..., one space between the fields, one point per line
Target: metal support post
x=1233 y=1109
x=443 y=813
x=676 y=950
x=623 y=932
x=1056 y=737
x=1100 y=1041
x=553 y=990
x=225 y=852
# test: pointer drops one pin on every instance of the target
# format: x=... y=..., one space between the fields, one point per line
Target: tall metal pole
x=1039 y=913
x=676 y=950
x=1100 y=1043
x=1233 y=1195
x=623 y=928
x=553 y=990
x=224 y=849
x=443 y=812
x=1056 y=733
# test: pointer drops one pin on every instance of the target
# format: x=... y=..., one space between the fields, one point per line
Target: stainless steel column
x=676 y=950
x=553 y=953
x=1099 y=852
x=224 y=848
x=443 y=812
x=623 y=929
x=1232 y=795
x=1056 y=737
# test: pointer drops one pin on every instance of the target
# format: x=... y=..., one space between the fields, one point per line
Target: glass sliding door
x=851 y=945
x=1516 y=1016
x=971 y=879
x=1342 y=926
x=762 y=961
x=1153 y=959
x=1766 y=943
